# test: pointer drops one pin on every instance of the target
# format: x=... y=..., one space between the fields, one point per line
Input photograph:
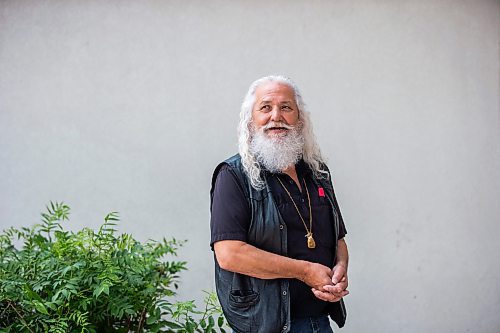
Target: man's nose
x=276 y=114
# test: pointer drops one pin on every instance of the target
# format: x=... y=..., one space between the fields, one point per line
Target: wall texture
x=129 y=105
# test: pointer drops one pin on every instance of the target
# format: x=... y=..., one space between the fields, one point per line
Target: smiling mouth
x=277 y=129
x=277 y=132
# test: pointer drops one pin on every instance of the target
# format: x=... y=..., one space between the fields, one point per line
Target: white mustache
x=277 y=124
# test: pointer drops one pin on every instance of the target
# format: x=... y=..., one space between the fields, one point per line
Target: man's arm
x=342 y=260
x=243 y=258
x=333 y=293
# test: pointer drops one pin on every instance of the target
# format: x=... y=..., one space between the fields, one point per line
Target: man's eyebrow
x=269 y=101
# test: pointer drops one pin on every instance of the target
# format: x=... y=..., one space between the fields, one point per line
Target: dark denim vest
x=263 y=305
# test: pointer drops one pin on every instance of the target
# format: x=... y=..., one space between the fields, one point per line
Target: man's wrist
x=304 y=272
x=341 y=263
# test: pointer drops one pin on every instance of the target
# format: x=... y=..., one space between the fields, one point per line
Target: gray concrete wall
x=129 y=105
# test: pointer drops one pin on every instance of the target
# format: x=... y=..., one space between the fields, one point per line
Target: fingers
x=337 y=289
x=329 y=297
x=336 y=277
x=339 y=273
x=318 y=276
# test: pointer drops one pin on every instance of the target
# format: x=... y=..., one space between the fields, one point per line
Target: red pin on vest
x=321 y=192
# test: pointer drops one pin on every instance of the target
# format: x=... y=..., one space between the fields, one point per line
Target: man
x=276 y=228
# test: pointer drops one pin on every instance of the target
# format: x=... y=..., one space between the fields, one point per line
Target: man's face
x=274 y=111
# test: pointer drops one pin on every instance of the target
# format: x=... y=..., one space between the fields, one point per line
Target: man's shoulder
x=323 y=166
x=233 y=161
x=235 y=169
x=319 y=172
x=234 y=165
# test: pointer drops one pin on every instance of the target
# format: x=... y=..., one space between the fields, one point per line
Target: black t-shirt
x=231 y=216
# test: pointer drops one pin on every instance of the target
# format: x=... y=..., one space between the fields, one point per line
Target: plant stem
x=141 y=319
x=20 y=316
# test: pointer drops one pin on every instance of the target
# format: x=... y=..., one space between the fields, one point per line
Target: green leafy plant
x=94 y=281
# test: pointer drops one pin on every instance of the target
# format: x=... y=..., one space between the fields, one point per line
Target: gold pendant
x=310 y=241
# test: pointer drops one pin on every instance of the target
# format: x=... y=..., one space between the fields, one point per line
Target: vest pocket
x=243 y=298
x=241 y=310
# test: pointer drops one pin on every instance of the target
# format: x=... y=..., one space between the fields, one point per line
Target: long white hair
x=311 y=153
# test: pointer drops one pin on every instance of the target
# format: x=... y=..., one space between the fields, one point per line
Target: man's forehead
x=267 y=91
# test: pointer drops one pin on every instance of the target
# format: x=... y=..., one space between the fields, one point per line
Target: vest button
x=285 y=327
x=281 y=226
x=284 y=293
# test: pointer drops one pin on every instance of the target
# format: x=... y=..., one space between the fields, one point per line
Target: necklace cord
x=309 y=231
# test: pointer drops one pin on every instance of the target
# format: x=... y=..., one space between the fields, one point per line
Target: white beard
x=277 y=153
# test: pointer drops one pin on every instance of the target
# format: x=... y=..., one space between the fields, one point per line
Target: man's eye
x=286 y=108
x=265 y=108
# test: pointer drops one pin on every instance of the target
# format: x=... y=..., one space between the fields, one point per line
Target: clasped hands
x=328 y=284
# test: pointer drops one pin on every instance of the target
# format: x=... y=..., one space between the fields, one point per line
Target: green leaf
x=151 y=320
x=33 y=295
x=40 y=307
x=65 y=270
x=104 y=287
x=173 y=325
x=51 y=305
x=154 y=328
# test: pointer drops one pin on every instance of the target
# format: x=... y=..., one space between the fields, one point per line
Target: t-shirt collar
x=301 y=167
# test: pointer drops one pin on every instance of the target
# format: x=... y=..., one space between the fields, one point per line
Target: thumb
x=337 y=276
